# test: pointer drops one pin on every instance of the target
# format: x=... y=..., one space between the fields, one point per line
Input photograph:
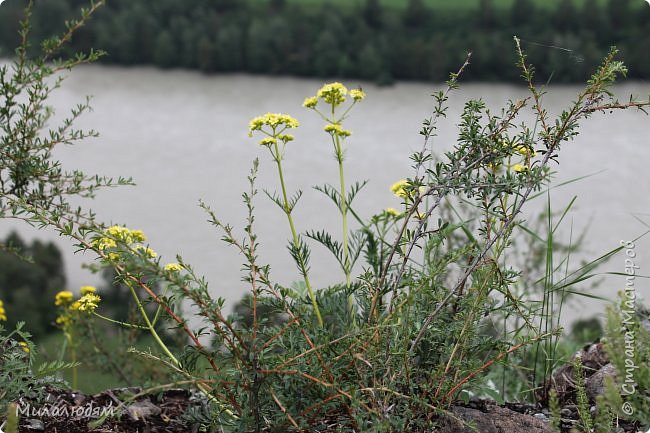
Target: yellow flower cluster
x=118 y=233
x=87 y=303
x=310 y=102
x=23 y=345
x=398 y=188
x=3 y=313
x=173 y=267
x=519 y=168
x=63 y=298
x=357 y=94
x=274 y=120
x=333 y=93
x=336 y=129
x=87 y=289
x=122 y=235
x=525 y=151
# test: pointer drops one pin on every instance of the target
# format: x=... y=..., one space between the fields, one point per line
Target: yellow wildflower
x=3 y=313
x=173 y=267
x=357 y=94
x=125 y=235
x=333 y=93
x=274 y=120
x=104 y=243
x=525 y=150
x=87 y=289
x=518 y=168
x=88 y=303
x=268 y=141
x=310 y=102
x=286 y=137
x=335 y=129
x=64 y=297
x=63 y=320
x=24 y=346
x=75 y=305
x=113 y=257
x=398 y=188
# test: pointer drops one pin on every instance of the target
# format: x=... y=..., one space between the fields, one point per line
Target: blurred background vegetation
x=378 y=40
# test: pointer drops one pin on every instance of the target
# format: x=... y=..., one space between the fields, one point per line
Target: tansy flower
x=268 y=141
x=87 y=303
x=398 y=188
x=310 y=102
x=335 y=129
x=333 y=93
x=23 y=345
x=64 y=297
x=3 y=313
x=87 y=289
x=173 y=267
x=274 y=120
x=357 y=94
x=518 y=168
x=104 y=243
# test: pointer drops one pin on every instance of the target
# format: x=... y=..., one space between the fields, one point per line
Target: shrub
x=386 y=350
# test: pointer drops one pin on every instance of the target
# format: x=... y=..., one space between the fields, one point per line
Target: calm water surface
x=182 y=136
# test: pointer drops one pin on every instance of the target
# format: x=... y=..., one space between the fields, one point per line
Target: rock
x=595 y=385
x=142 y=409
x=491 y=419
x=35 y=425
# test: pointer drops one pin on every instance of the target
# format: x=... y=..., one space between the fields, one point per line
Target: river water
x=183 y=136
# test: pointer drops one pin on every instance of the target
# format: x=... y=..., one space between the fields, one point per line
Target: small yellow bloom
x=3 y=313
x=104 y=243
x=518 y=168
x=333 y=93
x=24 y=346
x=357 y=94
x=286 y=137
x=392 y=211
x=310 y=102
x=63 y=320
x=525 y=151
x=274 y=120
x=336 y=129
x=64 y=297
x=173 y=267
x=87 y=289
x=268 y=141
x=88 y=303
x=75 y=305
x=398 y=188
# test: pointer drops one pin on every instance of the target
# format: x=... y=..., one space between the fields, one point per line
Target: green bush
x=387 y=349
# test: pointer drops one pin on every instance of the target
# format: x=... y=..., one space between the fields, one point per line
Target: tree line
x=368 y=41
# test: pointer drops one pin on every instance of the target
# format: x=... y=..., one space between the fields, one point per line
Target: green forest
x=374 y=40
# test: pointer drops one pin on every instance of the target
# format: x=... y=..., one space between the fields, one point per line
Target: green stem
x=150 y=326
x=344 y=213
x=296 y=241
x=73 y=352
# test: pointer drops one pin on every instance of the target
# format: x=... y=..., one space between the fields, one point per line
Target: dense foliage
x=369 y=41
x=28 y=283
